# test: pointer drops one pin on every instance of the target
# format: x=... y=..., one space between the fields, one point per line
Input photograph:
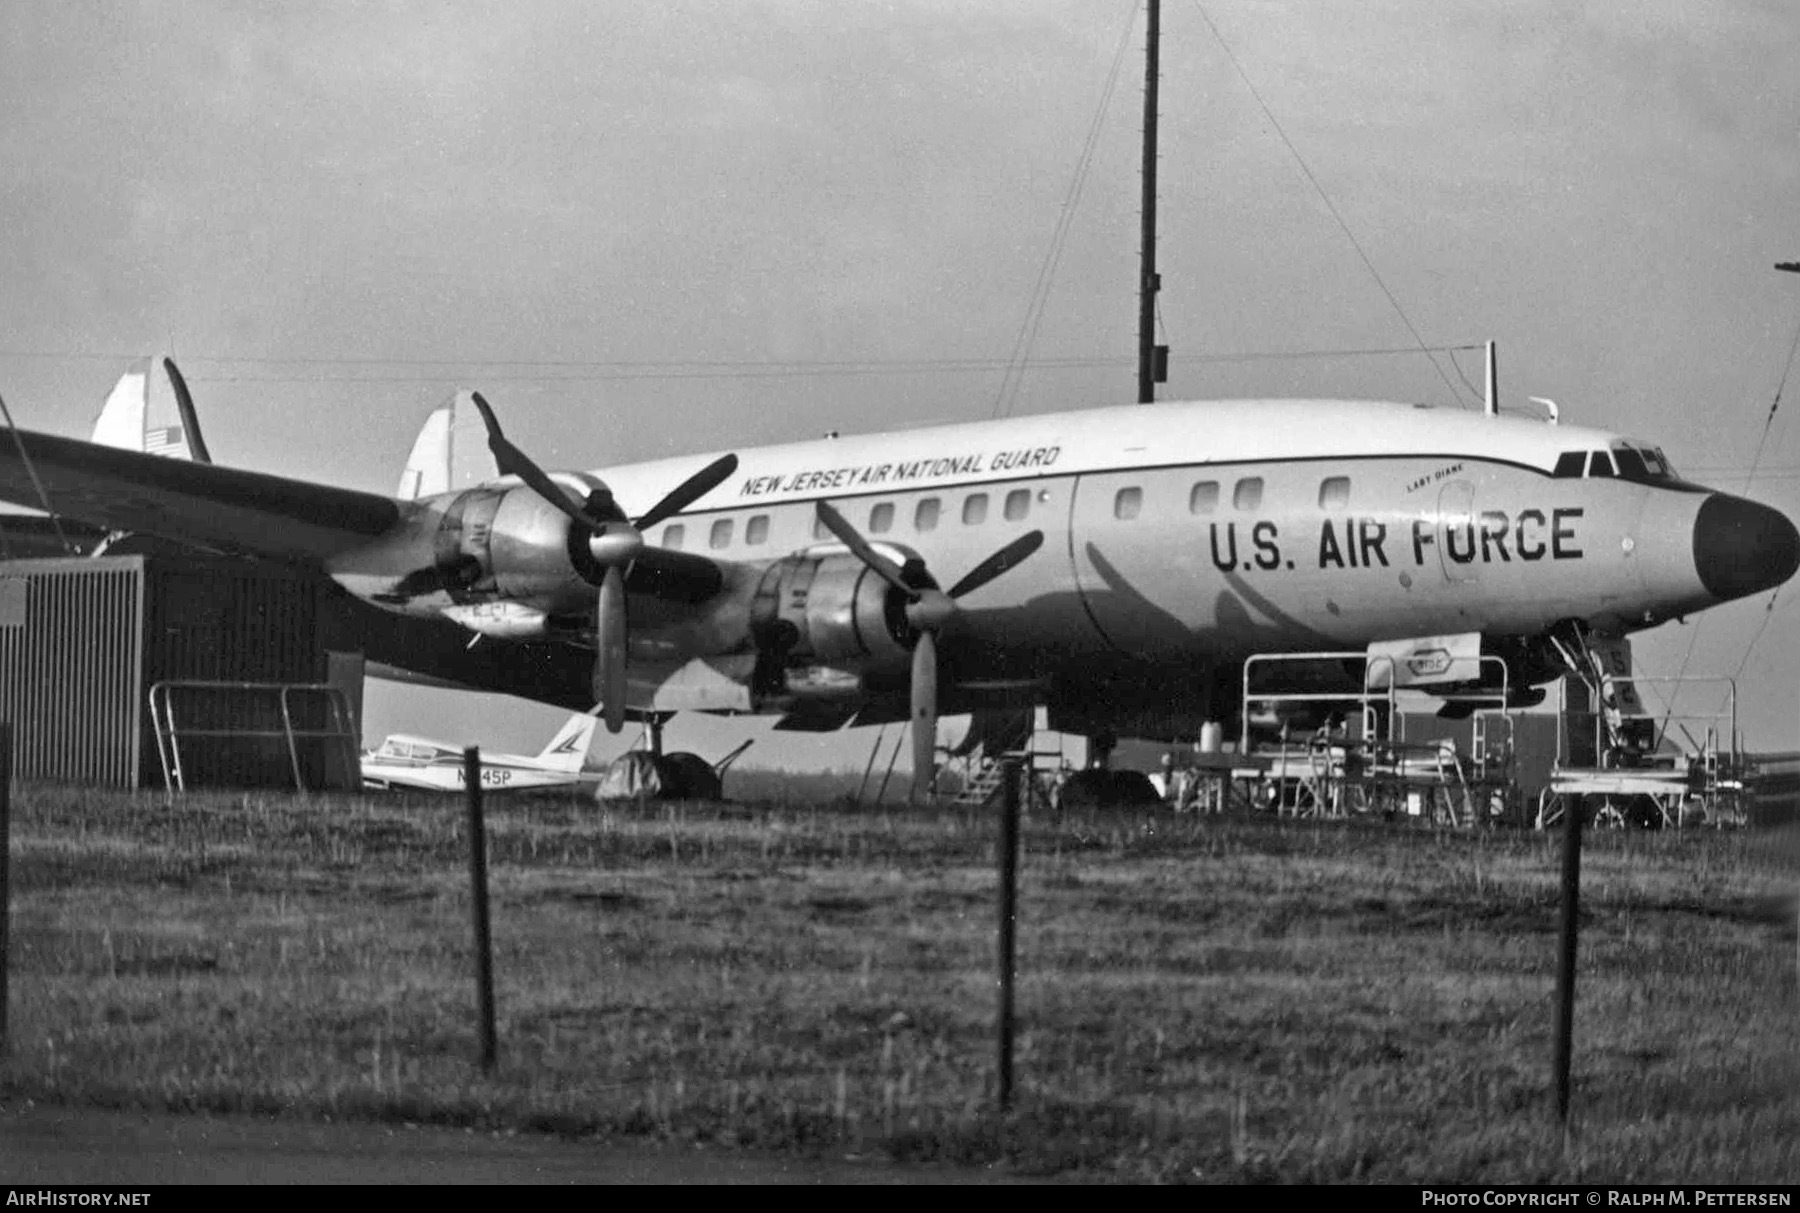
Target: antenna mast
x=1153 y=359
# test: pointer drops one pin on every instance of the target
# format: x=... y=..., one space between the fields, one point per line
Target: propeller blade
x=924 y=715
x=689 y=491
x=1006 y=558
x=184 y=402
x=513 y=462
x=609 y=645
x=859 y=547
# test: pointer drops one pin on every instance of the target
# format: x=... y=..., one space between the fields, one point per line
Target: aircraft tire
x=1104 y=789
x=688 y=776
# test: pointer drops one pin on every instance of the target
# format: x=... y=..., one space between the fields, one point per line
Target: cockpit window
x=1631 y=464
x=1628 y=461
x=1642 y=463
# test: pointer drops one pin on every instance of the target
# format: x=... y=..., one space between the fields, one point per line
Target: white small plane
x=405 y=761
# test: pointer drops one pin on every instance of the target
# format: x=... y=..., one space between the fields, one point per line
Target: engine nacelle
x=825 y=607
x=496 y=544
x=530 y=549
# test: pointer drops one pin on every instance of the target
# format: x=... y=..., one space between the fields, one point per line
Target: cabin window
x=881 y=518
x=1248 y=493
x=757 y=530
x=1570 y=464
x=1658 y=466
x=925 y=518
x=1334 y=492
x=975 y=509
x=721 y=534
x=1018 y=504
x=1600 y=464
x=1127 y=503
x=1203 y=498
x=673 y=534
x=1631 y=464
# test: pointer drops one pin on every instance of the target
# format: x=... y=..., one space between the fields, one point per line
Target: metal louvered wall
x=71 y=668
x=83 y=639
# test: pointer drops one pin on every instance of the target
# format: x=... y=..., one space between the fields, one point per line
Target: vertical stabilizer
x=568 y=750
x=451 y=452
x=149 y=410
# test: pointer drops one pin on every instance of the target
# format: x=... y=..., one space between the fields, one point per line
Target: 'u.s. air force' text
x=1490 y=537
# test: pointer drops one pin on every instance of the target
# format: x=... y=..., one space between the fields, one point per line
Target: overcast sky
x=336 y=214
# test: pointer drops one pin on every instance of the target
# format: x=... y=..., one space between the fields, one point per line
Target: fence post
x=1009 y=885
x=478 y=900
x=1573 y=808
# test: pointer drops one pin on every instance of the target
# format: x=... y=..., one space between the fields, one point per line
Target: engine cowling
x=827 y=608
x=530 y=548
x=501 y=544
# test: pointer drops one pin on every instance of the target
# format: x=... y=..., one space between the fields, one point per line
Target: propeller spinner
x=928 y=611
x=614 y=543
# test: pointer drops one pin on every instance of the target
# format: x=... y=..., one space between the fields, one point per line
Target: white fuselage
x=1179 y=535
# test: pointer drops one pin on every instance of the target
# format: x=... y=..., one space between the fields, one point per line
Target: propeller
x=928 y=611
x=613 y=541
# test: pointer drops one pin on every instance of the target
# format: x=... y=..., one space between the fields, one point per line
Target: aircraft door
x=1457 y=531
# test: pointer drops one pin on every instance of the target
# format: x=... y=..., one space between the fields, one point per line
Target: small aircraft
x=405 y=761
x=1119 y=566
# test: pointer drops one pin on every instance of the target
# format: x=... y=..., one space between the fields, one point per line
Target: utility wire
x=602 y=372
x=1329 y=205
x=1769 y=611
x=37 y=484
x=593 y=369
x=1755 y=463
x=1014 y=376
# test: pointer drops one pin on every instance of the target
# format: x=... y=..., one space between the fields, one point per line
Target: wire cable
x=37 y=484
x=1755 y=463
x=1014 y=375
x=1329 y=205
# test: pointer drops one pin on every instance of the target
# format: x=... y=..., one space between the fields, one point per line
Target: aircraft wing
x=218 y=508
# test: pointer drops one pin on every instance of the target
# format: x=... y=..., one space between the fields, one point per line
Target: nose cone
x=1741 y=547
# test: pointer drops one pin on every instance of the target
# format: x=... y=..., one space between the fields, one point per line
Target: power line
x=1059 y=237
x=1755 y=463
x=1344 y=227
x=577 y=371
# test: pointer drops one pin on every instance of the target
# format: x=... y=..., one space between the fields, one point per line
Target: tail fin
x=568 y=750
x=451 y=452
x=151 y=410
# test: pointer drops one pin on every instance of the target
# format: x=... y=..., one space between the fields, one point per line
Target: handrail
x=1372 y=662
x=169 y=733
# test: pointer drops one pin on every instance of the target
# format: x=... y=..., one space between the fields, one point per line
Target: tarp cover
x=637 y=775
x=631 y=776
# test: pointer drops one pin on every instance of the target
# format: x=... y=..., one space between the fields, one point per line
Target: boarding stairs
x=982 y=785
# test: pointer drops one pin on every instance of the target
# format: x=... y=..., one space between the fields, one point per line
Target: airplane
x=1115 y=565
x=405 y=761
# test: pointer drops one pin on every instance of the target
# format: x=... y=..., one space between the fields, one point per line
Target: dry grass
x=1199 y=998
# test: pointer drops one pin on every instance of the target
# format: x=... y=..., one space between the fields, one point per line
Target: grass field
x=1199 y=999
